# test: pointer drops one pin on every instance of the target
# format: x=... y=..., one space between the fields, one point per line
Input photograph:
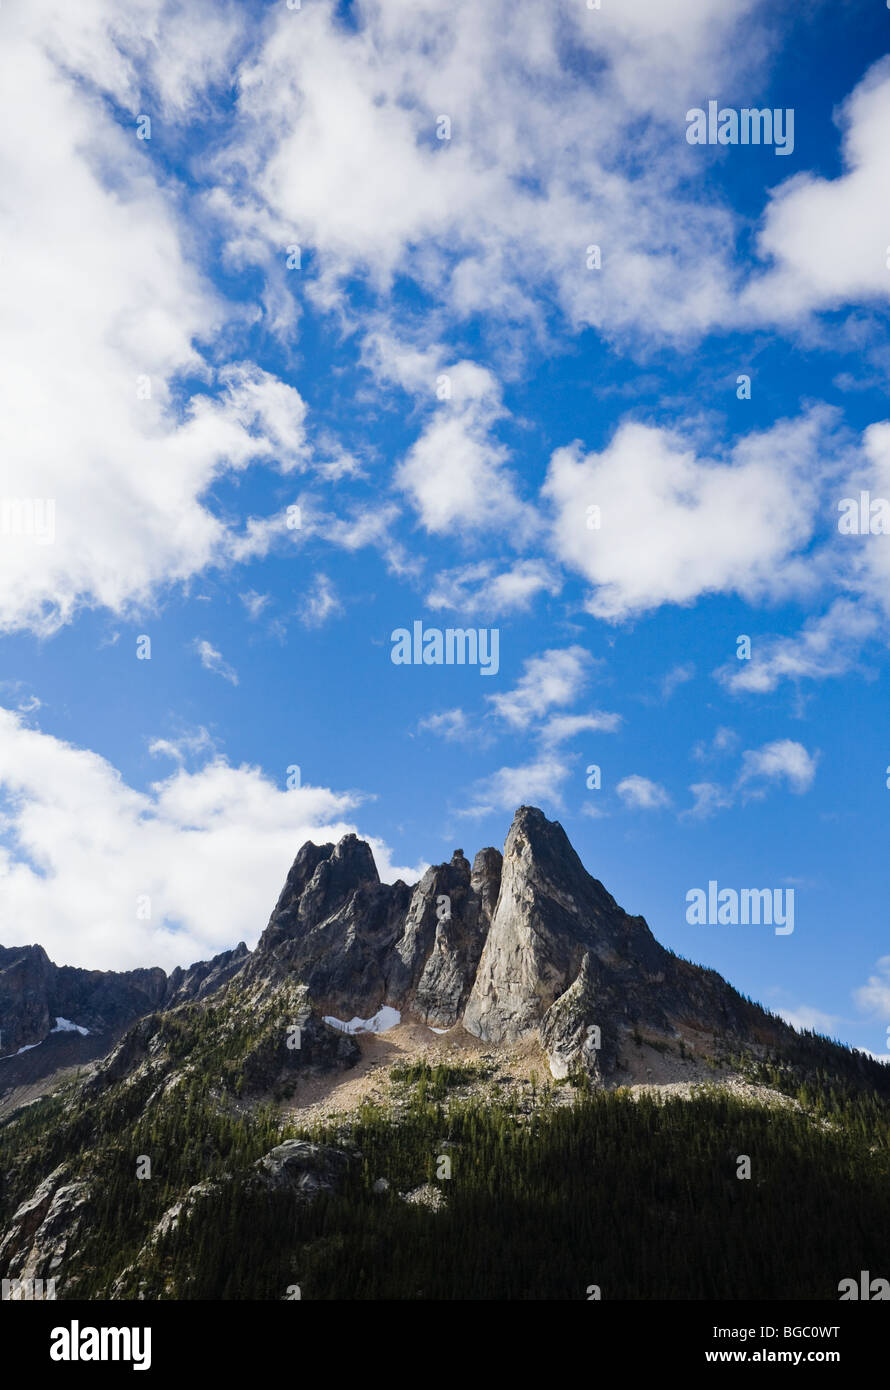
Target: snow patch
x=439 y=1030
x=383 y=1020
x=63 y=1025
x=559 y=1067
x=26 y=1048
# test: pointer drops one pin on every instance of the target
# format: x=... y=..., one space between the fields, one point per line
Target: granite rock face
x=204 y=977
x=527 y=945
x=444 y=936
x=34 y=993
x=41 y=1231
x=563 y=963
x=551 y=917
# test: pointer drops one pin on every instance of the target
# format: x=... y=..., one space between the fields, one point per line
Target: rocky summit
x=239 y=1130
x=520 y=945
x=524 y=944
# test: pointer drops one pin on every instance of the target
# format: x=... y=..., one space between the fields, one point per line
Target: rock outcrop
x=527 y=945
x=302 y=1169
x=34 y=993
x=565 y=964
x=440 y=948
x=42 y=1229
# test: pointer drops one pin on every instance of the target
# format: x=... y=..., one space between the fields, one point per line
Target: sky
x=322 y=320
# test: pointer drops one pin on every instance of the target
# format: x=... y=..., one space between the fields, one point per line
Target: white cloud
x=639 y=794
x=371 y=526
x=186 y=745
x=321 y=602
x=561 y=727
x=675 y=526
x=710 y=797
x=870 y=554
x=874 y=996
x=454 y=473
x=111 y=306
x=677 y=676
x=336 y=139
x=363 y=526
x=816 y=1020
x=254 y=602
x=827 y=645
x=212 y=660
x=782 y=760
x=210 y=848
x=555 y=677
x=536 y=783
x=178 y=54
x=478 y=588
x=450 y=724
x=821 y=234
x=723 y=741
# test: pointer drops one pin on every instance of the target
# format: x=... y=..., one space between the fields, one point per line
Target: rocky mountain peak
x=521 y=945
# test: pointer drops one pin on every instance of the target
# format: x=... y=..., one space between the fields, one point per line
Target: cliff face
x=95 y=1007
x=524 y=945
x=34 y=993
x=527 y=945
x=524 y=950
x=563 y=962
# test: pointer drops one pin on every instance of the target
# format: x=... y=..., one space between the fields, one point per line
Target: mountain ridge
x=520 y=944
x=262 y=1118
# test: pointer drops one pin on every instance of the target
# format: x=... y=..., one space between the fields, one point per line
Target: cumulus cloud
x=870 y=554
x=254 y=602
x=723 y=741
x=210 y=849
x=640 y=794
x=453 y=147
x=675 y=677
x=480 y=588
x=555 y=677
x=321 y=602
x=827 y=645
x=455 y=473
x=450 y=724
x=710 y=797
x=819 y=233
x=537 y=782
x=561 y=727
x=783 y=760
x=874 y=996
x=780 y=762
x=805 y=1018
x=184 y=746
x=675 y=526
x=100 y=327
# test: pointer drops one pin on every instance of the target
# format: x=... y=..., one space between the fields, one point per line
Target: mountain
x=54 y=1017
x=524 y=945
x=521 y=945
x=241 y=1114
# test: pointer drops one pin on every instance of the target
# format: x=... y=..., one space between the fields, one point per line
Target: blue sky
x=444 y=387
